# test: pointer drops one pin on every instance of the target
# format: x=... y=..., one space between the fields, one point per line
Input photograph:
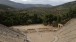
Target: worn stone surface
x=9 y=35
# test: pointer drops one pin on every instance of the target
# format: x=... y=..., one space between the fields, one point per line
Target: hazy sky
x=52 y=2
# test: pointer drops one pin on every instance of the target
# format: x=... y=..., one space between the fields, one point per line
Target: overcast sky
x=52 y=2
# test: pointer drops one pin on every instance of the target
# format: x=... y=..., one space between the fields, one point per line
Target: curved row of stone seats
x=9 y=35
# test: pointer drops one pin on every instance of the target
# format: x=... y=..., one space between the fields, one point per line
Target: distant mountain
x=5 y=7
x=64 y=8
x=19 y=5
x=67 y=5
x=60 y=9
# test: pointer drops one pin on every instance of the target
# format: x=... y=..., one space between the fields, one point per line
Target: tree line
x=10 y=18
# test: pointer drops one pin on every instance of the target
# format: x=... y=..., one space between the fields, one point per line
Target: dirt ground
x=40 y=35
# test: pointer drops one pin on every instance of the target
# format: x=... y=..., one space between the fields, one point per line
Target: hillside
x=38 y=15
x=5 y=7
x=60 y=9
x=64 y=8
x=40 y=8
x=21 y=6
